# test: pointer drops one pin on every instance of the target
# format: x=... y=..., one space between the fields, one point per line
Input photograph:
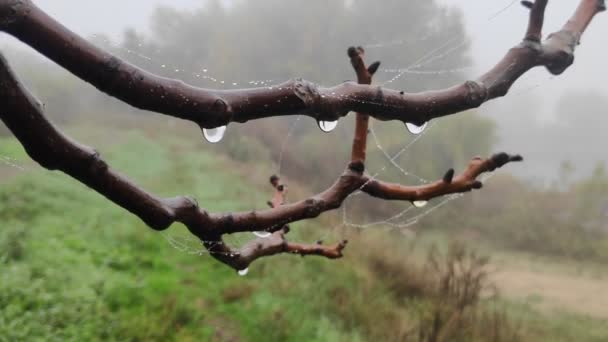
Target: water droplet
x=262 y=234
x=415 y=129
x=214 y=135
x=327 y=126
x=244 y=272
x=420 y=204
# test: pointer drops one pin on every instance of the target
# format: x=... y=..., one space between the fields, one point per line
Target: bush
x=450 y=295
x=456 y=311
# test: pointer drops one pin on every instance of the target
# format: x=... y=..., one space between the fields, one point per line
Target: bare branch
x=22 y=114
x=364 y=76
x=277 y=243
x=213 y=108
x=48 y=146
x=536 y=21
x=464 y=182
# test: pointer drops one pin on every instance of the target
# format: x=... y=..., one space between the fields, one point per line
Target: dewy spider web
x=202 y=73
x=190 y=244
x=411 y=69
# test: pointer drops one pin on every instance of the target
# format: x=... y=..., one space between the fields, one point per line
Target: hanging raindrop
x=244 y=272
x=327 y=126
x=420 y=204
x=262 y=234
x=214 y=135
x=416 y=129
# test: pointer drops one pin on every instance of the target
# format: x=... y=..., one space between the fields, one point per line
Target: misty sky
x=493 y=26
x=490 y=37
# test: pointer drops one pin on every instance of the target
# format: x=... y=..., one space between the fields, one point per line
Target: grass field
x=74 y=267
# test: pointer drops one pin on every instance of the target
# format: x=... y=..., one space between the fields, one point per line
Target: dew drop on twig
x=214 y=135
x=327 y=126
x=414 y=129
x=420 y=204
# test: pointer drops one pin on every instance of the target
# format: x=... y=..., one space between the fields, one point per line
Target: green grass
x=75 y=267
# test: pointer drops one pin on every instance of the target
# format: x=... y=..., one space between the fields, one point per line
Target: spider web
x=404 y=220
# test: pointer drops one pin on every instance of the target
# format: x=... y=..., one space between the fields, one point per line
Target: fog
x=492 y=26
x=521 y=257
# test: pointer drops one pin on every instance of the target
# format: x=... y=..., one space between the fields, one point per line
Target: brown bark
x=211 y=108
x=364 y=76
x=450 y=184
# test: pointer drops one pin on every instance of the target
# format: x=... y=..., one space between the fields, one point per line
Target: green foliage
x=76 y=267
x=10 y=147
x=243 y=148
x=11 y=244
x=86 y=270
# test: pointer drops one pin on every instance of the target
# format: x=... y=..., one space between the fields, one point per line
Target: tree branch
x=276 y=243
x=44 y=143
x=213 y=108
x=464 y=182
x=364 y=76
x=53 y=150
x=536 y=21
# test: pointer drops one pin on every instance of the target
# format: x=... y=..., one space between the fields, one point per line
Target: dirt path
x=551 y=289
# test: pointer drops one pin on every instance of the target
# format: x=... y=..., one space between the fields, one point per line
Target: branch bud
x=274 y=180
x=500 y=159
x=373 y=67
x=352 y=52
x=449 y=176
x=477 y=185
x=527 y=4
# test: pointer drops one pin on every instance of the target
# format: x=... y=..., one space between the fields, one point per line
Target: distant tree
x=263 y=40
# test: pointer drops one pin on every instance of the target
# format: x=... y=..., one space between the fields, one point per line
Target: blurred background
x=521 y=259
